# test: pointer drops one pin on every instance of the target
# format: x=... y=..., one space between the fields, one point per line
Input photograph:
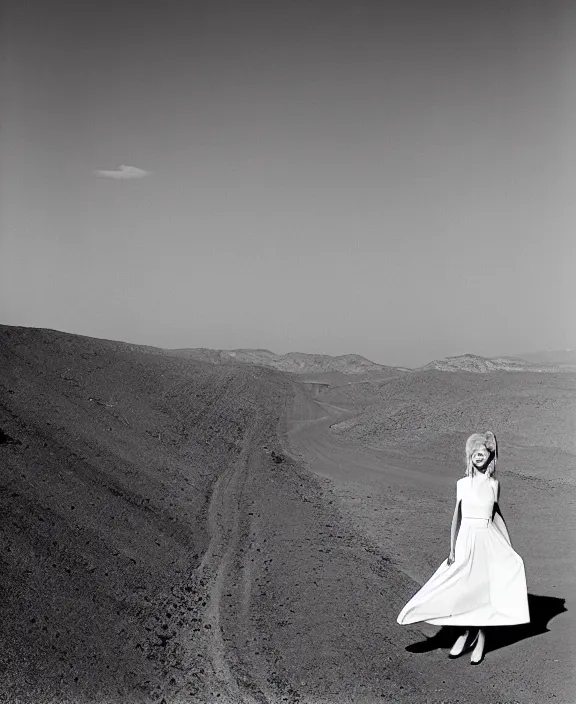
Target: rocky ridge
x=293 y=362
x=482 y=365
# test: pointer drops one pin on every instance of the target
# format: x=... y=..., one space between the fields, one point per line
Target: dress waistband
x=476 y=519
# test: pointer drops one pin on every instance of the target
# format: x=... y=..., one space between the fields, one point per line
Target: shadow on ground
x=542 y=610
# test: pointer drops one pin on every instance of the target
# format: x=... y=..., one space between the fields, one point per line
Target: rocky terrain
x=109 y=456
x=176 y=531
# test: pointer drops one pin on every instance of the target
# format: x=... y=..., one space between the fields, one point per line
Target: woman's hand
x=451 y=558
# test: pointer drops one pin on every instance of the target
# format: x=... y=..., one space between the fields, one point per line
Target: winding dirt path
x=215 y=568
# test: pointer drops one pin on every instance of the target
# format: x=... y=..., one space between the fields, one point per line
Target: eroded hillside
x=108 y=455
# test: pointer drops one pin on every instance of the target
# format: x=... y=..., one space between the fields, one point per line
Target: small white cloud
x=124 y=172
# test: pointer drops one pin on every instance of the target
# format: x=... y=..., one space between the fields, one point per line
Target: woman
x=482 y=583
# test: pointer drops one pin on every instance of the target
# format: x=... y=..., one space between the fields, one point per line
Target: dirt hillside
x=109 y=454
x=181 y=532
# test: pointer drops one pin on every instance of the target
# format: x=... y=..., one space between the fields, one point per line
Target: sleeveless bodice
x=478 y=496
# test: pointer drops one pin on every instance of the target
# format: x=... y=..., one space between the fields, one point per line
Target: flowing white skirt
x=484 y=586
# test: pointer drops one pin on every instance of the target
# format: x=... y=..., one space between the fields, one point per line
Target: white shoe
x=460 y=645
x=478 y=654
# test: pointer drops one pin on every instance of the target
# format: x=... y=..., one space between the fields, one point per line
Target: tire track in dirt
x=215 y=568
x=227 y=571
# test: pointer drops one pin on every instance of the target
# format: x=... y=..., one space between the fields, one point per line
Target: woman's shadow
x=542 y=610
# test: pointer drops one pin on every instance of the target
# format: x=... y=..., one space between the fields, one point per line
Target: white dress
x=486 y=583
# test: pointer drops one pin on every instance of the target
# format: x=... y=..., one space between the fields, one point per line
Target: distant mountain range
x=483 y=365
x=293 y=362
x=356 y=365
x=340 y=368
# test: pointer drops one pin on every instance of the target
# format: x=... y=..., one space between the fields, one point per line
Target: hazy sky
x=394 y=179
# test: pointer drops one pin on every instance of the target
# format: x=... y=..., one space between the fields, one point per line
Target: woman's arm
x=454 y=531
x=498 y=518
x=496 y=509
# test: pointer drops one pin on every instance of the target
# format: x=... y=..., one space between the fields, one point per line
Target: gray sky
x=394 y=179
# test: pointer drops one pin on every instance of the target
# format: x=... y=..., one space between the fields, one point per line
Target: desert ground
x=183 y=531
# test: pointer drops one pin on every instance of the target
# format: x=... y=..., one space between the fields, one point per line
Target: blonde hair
x=474 y=442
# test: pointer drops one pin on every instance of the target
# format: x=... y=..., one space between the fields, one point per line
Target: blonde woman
x=482 y=583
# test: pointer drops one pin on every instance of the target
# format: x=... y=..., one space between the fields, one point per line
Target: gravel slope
x=175 y=531
x=109 y=455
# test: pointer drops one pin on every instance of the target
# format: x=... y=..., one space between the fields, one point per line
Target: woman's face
x=480 y=457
